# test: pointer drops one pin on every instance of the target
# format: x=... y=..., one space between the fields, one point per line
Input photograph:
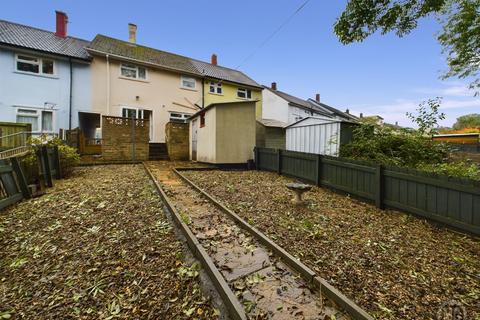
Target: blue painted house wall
x=22 y=90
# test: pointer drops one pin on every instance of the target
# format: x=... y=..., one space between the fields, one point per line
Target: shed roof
x=162 y=59
x=211 y=105
x=272 y=123
x=320 y=120
x=21 y=36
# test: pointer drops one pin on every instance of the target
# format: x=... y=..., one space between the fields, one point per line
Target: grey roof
x=17 y=35
x=272 y=123
x=167 y=60
x=291 y=99
x=332 y=110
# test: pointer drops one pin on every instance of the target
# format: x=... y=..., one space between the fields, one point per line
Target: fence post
x=255 y=152
x=56 y=160
x=22 y=181
x=379 y=186
x=319 y=170
x=133 y=138
x=279 y=161
x=46 y=167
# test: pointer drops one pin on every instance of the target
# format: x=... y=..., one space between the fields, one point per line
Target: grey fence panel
x=299 y=164
x=454 y=202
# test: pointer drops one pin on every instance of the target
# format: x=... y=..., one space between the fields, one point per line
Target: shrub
x=69 y=158
x=404 y=148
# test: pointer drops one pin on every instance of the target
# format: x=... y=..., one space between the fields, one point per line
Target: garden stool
x=298 y=189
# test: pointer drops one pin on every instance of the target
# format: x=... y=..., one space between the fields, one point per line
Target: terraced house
x=44 y=76
x=129 y=79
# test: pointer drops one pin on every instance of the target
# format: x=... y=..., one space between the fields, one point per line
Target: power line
x=273 y=34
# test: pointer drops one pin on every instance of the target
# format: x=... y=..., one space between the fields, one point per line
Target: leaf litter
x=392 y=264
x=96 y=246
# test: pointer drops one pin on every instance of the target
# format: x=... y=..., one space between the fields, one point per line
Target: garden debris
x=96 y=246
x=393 y=265
x=265 y=290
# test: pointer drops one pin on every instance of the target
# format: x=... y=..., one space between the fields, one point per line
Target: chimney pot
x=132 y=33
x=317 y=97
x=347 y=111
x=62 y=20
x=214 y=59
x=361 y=115
x=274 y=86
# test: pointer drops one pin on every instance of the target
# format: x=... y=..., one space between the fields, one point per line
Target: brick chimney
x=347 y=111
x=274 y=86
x=317 y=97
x=62 y=20
x=214 y=59
x=132 y=33
x=361 y=115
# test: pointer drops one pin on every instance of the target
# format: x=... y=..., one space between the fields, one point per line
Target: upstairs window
x=133 y=71
x=188 y=83
x=244 y=93
x=34 y=65
x=216 y=87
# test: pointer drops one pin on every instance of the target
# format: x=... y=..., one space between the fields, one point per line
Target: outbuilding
x=319 y=135
x=223 y=133
x=271 y=133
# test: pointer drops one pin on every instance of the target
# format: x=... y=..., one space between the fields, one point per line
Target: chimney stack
x=317 y=97
x=62 y=20
x=361 y=115
x=214 y=59
x=274 y=86
x=347 y=111
x=132 y=33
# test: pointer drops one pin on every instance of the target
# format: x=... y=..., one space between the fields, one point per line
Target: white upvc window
x=179 y=116
x=41 y=120
x=136 y=113
x=216 y=87
x=133 y=71
x=30 y=64
x=188 y=82
x=244 y=93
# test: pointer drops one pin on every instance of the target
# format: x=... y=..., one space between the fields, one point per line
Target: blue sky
x=384 y=75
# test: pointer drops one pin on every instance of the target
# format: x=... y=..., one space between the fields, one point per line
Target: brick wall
x=177 y=140
x=117 y=139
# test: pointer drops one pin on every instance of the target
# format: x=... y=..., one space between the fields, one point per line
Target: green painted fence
x=451 y=201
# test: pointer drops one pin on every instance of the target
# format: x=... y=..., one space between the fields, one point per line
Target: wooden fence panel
x=9 y=190
x=454 y=202
x=299 y=164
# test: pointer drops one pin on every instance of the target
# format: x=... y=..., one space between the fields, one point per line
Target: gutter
x=71 y=96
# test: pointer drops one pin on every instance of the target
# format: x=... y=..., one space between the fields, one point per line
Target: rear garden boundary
x=453 y=202
x=235 y=309
x=353 y=309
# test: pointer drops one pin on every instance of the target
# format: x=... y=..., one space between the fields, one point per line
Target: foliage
x=427 y=116
x=69 y=158
x=471 y=121
x=405 y=149
x=460 y=37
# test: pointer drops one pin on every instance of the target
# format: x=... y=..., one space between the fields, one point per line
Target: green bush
x=404 y=148
x=69 y=158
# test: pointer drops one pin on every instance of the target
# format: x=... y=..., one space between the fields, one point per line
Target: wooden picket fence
x=454 y=202
x=13 y=181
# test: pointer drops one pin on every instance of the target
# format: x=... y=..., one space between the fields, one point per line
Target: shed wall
x=321 y=138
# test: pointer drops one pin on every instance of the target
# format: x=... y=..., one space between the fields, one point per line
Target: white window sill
x=189 y=89
x=134 y=79
x=244 y=99
x=41 y=75
x=217 y=94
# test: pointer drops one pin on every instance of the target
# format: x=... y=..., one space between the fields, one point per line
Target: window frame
x=248 y=93
x=216 y=85
x=187 y=78
x=138 y=112
x=134 y=68
x=39 y=62
x=182 y=119
x=38 y=114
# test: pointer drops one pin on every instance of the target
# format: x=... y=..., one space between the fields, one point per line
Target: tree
x=427 y=116
x=467 y=121
x=460 y=35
